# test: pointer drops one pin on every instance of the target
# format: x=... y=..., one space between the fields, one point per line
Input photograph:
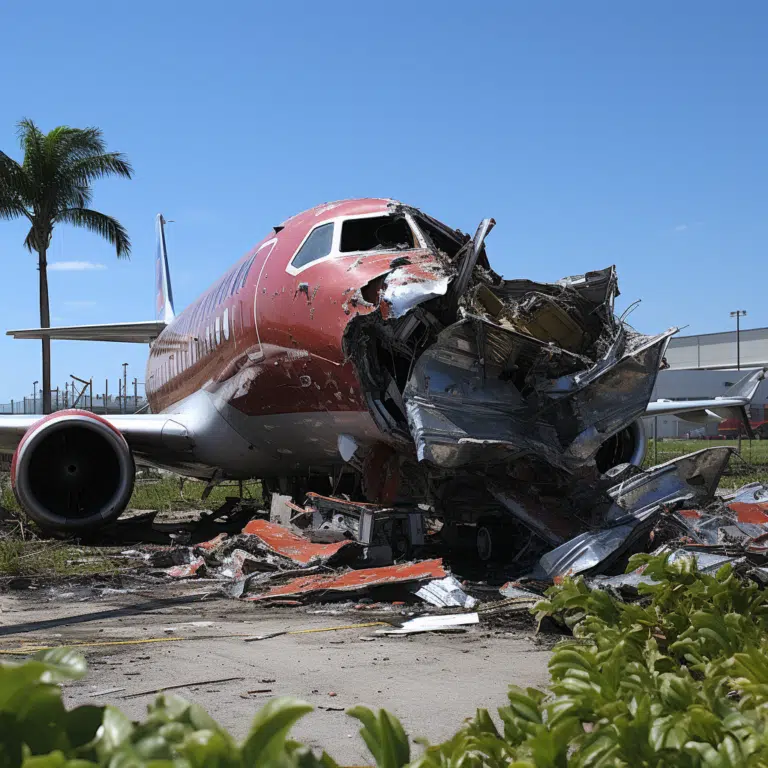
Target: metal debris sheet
x=358 y=581
x=298 y=549
x=433 y=624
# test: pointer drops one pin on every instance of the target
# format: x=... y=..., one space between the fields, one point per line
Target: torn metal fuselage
x=497 y=383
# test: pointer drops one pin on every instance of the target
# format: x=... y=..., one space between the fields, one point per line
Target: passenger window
x=238 y=277
x=376 y=233
x=218 y=330
x=225 y=324
x=316 y=246
x=245 y=274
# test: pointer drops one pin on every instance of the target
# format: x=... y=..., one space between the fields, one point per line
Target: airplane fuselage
x=264 y=345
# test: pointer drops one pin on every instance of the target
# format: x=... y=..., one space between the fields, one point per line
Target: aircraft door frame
x=258 y=353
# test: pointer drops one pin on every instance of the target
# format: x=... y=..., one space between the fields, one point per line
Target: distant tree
x=52 y=185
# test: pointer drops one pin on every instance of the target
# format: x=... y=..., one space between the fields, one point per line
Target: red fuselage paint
x=272 y=337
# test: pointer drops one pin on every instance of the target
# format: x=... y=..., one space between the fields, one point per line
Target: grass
x=24 y=553
x=53 y=558
x=749 y=467
x=176 y=493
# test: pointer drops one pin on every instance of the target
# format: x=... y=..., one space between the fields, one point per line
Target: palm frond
x=84 y=142
x=88 y=169
x=13 y=189
x=31 y=140
x=30 y=241
x=101 y=224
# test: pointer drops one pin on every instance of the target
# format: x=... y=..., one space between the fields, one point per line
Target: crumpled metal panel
x=460 y=408
x=636 y=504
x=531 y=369
x=693 y=477
x=298 y=549
x=446 y=593
x=358 y=581
x=751 y=504
x=706 y=562
x=739 y=518
x=586 y=551
x=188 y=570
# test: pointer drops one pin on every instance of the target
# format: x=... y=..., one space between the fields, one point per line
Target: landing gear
x=493 y=540
x=484 y=542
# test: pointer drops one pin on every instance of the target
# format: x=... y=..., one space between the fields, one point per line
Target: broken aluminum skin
x=531 y=369
x=637 y=503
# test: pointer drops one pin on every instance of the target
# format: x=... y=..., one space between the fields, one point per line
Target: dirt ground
x=431 y=681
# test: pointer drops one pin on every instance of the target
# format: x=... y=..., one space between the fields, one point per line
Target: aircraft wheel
x=488 y=541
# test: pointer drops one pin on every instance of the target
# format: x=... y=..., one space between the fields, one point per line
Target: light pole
x=125 y=387
x=34 y=395
x=739 y=313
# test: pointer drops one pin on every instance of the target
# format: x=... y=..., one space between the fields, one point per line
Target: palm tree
x=51 y=186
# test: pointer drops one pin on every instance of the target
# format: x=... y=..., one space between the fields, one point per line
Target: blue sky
x=594 y=132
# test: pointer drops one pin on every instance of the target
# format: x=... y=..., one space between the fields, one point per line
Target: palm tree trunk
x=45 y=322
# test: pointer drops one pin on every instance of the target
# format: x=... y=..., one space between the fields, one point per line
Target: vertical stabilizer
x=163 y=292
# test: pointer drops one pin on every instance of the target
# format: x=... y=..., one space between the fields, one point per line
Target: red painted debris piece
x=188 y=570
x=750 y=512
x=296 y=548
x=355 y=581
x=209 y=546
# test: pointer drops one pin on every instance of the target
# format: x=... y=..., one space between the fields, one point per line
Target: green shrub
x=680 y=679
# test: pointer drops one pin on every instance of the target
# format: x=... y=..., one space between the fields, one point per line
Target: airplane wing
x=731 y=404
x=145 y=433
x=144 y=332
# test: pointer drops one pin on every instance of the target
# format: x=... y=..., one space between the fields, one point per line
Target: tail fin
x=747 y=387
x=163 y=292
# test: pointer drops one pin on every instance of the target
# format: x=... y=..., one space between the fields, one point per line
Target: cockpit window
x=316 y=246
x=442 y=239
x=376 y=233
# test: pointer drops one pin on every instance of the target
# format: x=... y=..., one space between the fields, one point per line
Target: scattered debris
x=636 y=505
x=181 y=685
x=107 y=692
x=433 y=624
x=358 y=581
x=446 y=593
x=194 y=568
x=298 y=549
x=270 y=635
x=384 y=532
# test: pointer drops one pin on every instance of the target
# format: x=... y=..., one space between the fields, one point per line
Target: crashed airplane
x=365 y=349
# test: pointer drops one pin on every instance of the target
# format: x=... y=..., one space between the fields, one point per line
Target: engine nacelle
x=625 y=447
x=73 y=470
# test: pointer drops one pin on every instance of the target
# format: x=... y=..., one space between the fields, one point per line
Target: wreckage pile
x=269 y=563
x=348 y=550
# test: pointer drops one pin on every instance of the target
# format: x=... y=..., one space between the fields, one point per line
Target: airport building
x=705 y=366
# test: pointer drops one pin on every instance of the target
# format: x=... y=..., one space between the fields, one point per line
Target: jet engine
x=72 y=471
x=625 y=447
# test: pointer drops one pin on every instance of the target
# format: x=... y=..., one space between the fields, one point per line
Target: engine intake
x=625 y=447
x=73 y=470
